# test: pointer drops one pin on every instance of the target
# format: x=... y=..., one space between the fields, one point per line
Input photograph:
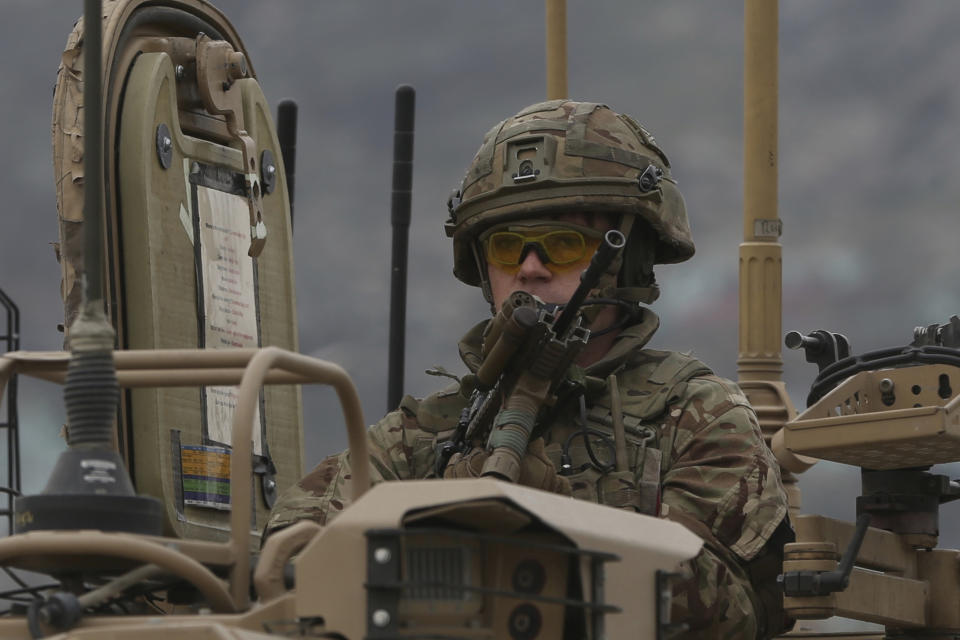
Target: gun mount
x=831 y=353
x=822 y=348
x=893 y=413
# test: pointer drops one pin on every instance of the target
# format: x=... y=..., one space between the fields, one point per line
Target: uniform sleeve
x=724 y=485
x=325 y=491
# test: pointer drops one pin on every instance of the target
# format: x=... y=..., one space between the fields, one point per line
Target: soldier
x=536 y=199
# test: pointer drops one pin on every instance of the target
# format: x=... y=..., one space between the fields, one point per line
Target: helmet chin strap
x=629 y=313
x=484 y=278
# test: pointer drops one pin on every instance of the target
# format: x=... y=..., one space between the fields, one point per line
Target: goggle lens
x=561 y=247
x=564 y=247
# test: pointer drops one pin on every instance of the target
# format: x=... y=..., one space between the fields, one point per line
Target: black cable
x=603 y=468
x=631 y=315
x=14 y=593
x=152 y=600
x=16 y=578
x=585 y=432
x=146 y=590
x=24 y=587
x=33 y=619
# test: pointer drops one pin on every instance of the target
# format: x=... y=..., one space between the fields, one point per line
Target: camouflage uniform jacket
x=696 y=456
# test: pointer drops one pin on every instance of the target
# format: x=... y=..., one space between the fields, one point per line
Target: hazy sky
x=868 y=183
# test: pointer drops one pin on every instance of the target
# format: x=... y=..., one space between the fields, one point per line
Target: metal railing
x=10 y=341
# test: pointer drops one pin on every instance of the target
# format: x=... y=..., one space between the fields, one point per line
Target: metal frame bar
x=11 y=340
x=252 y=368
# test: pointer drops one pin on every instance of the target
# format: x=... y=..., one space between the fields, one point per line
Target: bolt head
x=382 y=555
x=271 y=169
x=180 y=71
x=380 y=618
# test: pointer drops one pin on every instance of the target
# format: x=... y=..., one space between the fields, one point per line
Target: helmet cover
x=564 y=156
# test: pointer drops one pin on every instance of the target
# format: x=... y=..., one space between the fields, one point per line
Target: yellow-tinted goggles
x=563 y=248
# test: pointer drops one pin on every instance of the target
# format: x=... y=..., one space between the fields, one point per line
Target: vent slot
x=434 y=570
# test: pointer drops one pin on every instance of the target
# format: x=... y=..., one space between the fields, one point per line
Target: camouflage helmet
x=563 y=156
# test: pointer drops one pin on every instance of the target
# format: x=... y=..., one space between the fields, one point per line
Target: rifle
x=527 y=353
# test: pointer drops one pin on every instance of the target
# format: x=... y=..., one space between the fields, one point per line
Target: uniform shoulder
x=715 y=390
x=653 y=380
x=438 y=411
x=663 y=367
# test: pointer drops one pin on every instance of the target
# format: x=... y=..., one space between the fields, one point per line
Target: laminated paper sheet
x=229 y=298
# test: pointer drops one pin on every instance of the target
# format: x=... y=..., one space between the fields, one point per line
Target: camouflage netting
x=67 y=132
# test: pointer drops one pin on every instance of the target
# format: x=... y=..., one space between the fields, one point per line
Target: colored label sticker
x=206 y=476
x=768 y=228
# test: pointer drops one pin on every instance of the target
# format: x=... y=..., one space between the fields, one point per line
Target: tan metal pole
x=241 y=439
x=556 y=49
x=759 y=365
x=760 y=253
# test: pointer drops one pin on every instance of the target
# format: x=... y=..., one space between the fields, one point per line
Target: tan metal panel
x=881 y=550
x=644 y=545
x=161 y=292
x=859 y=424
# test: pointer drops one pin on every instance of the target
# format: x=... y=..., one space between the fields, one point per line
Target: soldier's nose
x=532 y=268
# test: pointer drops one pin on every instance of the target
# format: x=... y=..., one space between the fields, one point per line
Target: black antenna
x=89 y=487
x=287 y=135
x=400 y=219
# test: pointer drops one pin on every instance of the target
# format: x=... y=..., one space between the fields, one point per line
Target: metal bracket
x=218 y=67
x=263 y=466
x=650 y=178
x=808 y=584
x=10 y=340
x=663 y=593
x=268 y=171
x=164 y=145
x=820 y=347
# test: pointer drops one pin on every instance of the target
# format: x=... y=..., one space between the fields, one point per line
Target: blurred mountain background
x=869 y=173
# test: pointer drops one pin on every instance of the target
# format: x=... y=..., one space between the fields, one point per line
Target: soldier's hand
x=536 y=470
x=466 y=465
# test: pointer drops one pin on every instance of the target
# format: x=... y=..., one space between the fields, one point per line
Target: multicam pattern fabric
x=585 y=156
x=691 y=436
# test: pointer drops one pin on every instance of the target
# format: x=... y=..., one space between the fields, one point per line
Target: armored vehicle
x=184 y=403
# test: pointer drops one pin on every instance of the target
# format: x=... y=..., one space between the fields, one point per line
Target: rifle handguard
x=515 y=300
x=513 y=334
x=512 y=427
x=515 y=439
